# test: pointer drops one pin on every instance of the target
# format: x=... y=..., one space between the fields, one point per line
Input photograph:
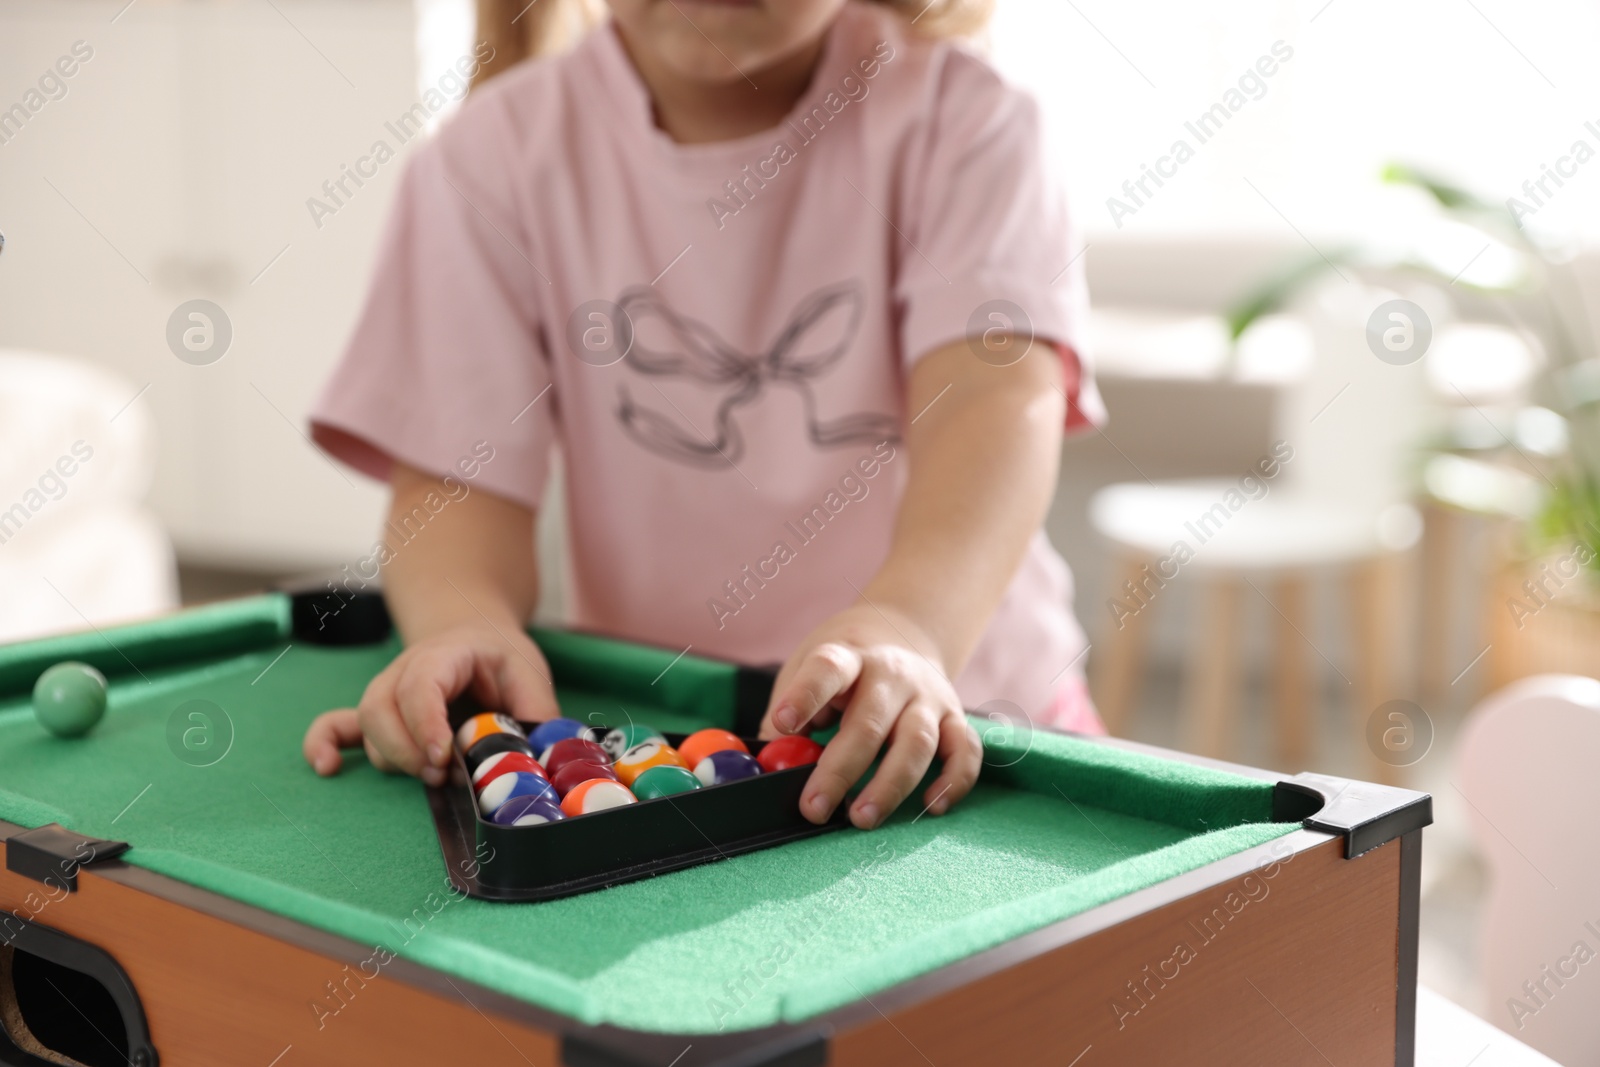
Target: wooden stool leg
x=1373 y=591
x=1116 y=673
x=1441 y=538
x=1512 y=647
x=1213 y=674
x=1293 y=702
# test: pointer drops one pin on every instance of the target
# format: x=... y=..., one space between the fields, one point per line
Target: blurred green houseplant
x=1526 y=284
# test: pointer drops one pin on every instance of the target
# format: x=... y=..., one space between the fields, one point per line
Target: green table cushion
x=700 y=692
x=781 y=934
x=215 y=630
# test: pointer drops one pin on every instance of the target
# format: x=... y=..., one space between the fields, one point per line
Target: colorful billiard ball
x=596 y=794
x=69 y=699
x=782 y=753
x=573 y=748
x=516 y=784
x=642 y=757
x=576 y=772
x=544 y=735
x=664 y=781
x=504 y=763
x=528 y=811
x=492 y=745
x=726 y=766
x=700 y=744
x=619 y=739
x=478 y=727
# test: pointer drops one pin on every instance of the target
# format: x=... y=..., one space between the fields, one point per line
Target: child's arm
x=461 y=592
x=984 y=445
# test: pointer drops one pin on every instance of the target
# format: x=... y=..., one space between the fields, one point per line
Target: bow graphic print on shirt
x=815 y=338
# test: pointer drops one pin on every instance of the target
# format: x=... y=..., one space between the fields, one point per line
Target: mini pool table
x=179 y=888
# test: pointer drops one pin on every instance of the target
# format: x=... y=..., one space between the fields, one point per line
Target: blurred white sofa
x=78 y=547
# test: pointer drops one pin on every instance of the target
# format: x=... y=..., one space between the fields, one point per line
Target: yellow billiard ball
x=643 y=756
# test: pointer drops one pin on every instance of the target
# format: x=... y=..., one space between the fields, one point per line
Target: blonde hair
x=517 y=30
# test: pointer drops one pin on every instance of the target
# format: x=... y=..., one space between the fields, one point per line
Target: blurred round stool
x=1347 y=430
x=1268 y=547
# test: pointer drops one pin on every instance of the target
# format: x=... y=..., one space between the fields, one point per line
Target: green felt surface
x=781 y=934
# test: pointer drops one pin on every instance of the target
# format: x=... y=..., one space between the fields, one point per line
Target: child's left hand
x=864 y=665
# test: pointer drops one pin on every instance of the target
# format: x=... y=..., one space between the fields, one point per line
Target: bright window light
x=1488 y=93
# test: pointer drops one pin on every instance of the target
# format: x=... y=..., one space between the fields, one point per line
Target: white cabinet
x=177 y=165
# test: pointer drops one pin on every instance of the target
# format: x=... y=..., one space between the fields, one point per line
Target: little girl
x=785 y=285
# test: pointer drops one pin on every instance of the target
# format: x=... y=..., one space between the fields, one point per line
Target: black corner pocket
x=338 y=617
x=63 y=1000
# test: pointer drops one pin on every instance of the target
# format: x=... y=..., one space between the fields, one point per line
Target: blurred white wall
x=177 y=165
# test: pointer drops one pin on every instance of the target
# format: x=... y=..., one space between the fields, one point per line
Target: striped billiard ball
x=504 y=763
x=596 y=795
x=642 y=757
x=726 y=766
x=619 y=739
x=478 y=727
x=492 y=745
x=528 y=811
x=492 y=797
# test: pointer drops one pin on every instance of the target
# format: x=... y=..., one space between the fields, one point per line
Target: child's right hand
x=402 y=717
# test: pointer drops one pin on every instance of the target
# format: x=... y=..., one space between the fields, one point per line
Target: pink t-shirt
x=716 y=338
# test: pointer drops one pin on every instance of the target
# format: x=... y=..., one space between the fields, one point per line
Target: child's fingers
x=521 y=684
x=328 y=733
x=378 y=760
x=820 y=721
x=913 y=741
x=961 y=753
x=387 y=733
x=867 y=721
x=824 y=673
x=428 y=682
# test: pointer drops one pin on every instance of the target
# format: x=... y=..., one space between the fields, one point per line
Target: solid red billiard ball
x=575 y=773
x=572 y=749
x=782 y=753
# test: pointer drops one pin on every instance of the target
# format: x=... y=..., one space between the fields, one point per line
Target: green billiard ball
x=664 y=781
x=69 y=699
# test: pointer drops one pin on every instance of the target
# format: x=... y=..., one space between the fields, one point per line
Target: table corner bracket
x=53 y=855
x=1365 y=814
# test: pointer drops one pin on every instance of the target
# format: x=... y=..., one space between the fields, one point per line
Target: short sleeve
x=445 y=364
x=988 y=232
